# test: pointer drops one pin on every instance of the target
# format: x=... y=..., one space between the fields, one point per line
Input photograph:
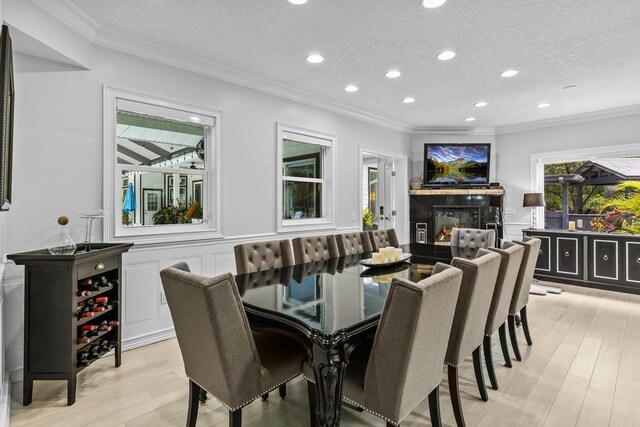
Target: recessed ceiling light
x=351 y=88
x=544 y=105
x=480 y=104
x=470 y=119
x=315 y=58
x=446 y=55
x=509 y=73
x=408 y=100
x=432 y=4
x=570 y=87
x=194 y=119
x=297 y=2
x=393 y=74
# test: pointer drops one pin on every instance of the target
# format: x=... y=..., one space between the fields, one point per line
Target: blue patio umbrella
x=129 y=204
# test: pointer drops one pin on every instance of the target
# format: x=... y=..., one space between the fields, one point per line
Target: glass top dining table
x=332 y=304
x=340 y=293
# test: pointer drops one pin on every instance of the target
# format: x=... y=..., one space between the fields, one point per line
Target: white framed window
x=162 y=169
x=305 y=198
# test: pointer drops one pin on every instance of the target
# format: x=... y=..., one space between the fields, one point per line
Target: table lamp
x=533 y=201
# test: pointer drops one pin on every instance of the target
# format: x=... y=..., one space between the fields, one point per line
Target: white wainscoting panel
x=140 y=291
x=224 y=263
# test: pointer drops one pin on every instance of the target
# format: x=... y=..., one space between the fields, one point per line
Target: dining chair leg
x=514 y=339
x=434 y=407
x=313 y=403
x=502 y=332
x=477 y=367
x=203 y=396
x=265 y=397
x=488 y=360
x=235 y=418
x=283 y=390
x=194 y=397
x=525 y=325
x=454 y=391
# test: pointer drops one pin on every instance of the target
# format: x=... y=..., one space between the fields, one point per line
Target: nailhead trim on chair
x=450 y=364
x=251 y=400
x=359 y=405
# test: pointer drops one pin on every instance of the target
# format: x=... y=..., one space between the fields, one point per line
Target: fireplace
x=434 y=212
x=445 y=218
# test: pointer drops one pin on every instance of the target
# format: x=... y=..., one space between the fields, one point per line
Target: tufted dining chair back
x=531 y=247
x=219 y=354
x=259 y=256
x=404 y=368
x=383 y=238
x=353 y=243
x=473 y=238
x=472 y=308
x=314 y=248
x=511 y=259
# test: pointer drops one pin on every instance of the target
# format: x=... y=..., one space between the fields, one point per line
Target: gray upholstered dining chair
x=390 y=376
x=383 y=238
x=473 y=238
x=261 y=256
x=353 y=243
x=511 y=259
x=521 y=292
x=472 y=308
x=221 y=354
x=314 y=248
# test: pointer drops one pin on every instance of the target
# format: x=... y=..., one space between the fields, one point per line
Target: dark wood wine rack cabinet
x=52 y=324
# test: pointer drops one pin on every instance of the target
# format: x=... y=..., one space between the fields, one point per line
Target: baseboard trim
x=147 y=339
x=5 y=402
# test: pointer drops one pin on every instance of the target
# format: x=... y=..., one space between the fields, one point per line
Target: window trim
x=329 y=178
x=112 y=229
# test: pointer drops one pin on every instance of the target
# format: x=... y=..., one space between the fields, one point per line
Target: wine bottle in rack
x=84 y=357
x=84 y=293
x=88 y=284
x=95 y=353
x=102 y=282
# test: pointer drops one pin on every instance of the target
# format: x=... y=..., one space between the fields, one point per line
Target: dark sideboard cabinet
x=59 y=341
x=599 y=260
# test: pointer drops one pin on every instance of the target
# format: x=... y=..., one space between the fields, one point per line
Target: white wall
x=515 y=149
x=58 y=170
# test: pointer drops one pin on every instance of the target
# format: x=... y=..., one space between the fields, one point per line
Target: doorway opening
x=383 y=191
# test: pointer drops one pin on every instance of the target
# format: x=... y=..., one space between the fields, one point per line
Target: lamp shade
x=532 y=200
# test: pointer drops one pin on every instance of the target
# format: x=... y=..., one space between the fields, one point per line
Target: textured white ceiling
x=553 y=43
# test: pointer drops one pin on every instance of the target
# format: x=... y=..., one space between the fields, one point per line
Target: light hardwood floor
x=583 y=369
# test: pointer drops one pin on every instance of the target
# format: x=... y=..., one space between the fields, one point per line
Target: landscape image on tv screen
x=456 y=164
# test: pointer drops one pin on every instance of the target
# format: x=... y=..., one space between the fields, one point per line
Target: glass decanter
x=63 y=244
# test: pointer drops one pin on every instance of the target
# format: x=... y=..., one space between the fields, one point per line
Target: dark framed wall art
x=6 y=114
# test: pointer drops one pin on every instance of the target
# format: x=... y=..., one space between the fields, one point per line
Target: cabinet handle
x=540 y=251
x=100 y=266
x=638 y=260
x=566 y=253
x=605 y=257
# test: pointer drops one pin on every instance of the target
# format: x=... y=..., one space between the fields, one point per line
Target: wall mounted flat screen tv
x=456 y=164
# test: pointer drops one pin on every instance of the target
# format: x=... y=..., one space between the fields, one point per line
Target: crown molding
x=153 y=52
x=72 y=16
x=75 y=18
x=453 y=130
x=567 y=120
